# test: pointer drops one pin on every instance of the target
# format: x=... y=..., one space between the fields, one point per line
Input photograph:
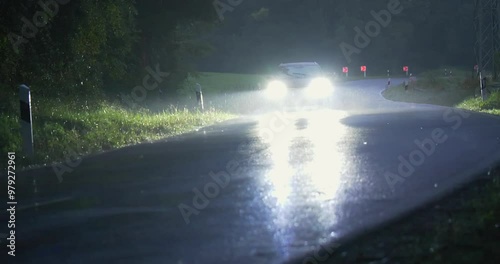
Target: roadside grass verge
x=61 y=128
x=490 y=106
x=445 y=97
x=462 y=228
x=433 y=88
x=459 y=91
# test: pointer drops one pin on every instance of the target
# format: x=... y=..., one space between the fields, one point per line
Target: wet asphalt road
x=266 y=188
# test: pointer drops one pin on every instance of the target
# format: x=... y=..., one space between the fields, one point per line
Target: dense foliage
x=95 y=47
x=85 y=48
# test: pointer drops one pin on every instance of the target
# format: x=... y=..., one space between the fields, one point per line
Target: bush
x=10 y=138
x=493 y=102
x=9 y=100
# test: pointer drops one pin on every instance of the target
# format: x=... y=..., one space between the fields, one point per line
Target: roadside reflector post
x=199 y=96
x=26 y=121
x=411 y=80
x=482 y=83
x=388 y=79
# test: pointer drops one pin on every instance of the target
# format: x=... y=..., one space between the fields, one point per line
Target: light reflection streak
x=304 y=178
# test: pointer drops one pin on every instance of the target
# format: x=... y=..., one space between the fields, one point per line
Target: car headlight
x=319 y=88
x=276 y=90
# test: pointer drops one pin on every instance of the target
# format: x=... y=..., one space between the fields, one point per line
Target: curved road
x=267 y=188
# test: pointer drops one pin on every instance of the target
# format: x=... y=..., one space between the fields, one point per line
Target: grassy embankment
x=490 y=106
x=434 y=88
x=62 y=128
x=462 y=228
x=458 y=91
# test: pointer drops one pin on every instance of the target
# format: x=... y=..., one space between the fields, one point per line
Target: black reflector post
x=199 y=96
x=26 y=120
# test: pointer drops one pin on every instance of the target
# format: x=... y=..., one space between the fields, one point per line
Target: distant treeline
x=381 y=34
x=89 y=47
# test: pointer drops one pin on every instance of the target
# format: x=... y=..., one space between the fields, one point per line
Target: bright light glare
x=319 y=88
x=306 y=179
x=276 y=90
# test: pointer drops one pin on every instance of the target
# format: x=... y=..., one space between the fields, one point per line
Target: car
x=299 y=83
